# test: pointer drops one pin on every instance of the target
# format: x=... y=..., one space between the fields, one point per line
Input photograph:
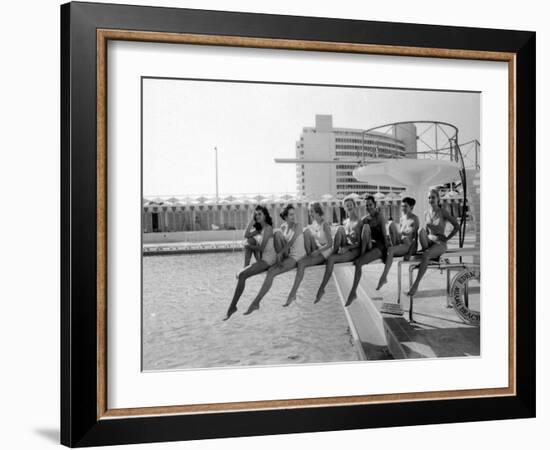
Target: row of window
x=356 y=186
x=346 y=166
x=369 y=148
x=381 y=154
x=368 y=142
x=346 y=180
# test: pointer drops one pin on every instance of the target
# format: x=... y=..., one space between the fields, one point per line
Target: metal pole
x=436 y=149
x=217 y=192
x=476 y=149
x=363 y=147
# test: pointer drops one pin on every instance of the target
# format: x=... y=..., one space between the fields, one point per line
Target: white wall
x=29 y=165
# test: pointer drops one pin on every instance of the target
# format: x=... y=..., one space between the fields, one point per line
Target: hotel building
x=328 y=143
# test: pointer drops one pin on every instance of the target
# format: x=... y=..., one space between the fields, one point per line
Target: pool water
x=185 y=298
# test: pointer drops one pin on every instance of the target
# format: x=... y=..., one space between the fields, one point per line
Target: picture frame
x=86 y=418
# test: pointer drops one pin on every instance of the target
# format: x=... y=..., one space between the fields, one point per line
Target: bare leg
x=397 y=250
x=250 y=271
x=333 y=259
x=311 y=260
x=412 y=249
x=368 y=257
x=339 y=239
x=248 y=252
x=247 y=256
x=423 y=239
x=309 y=241
x=278 y=241
x=395 y=235
x=366 y=239
x=436 y=250
x=286 y=265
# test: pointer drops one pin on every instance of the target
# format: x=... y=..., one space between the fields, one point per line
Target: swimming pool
x=185 y=298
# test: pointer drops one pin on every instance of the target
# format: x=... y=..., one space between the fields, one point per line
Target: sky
x=253 y=123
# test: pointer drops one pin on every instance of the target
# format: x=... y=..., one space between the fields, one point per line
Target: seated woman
x=346 y=243
x=374 y=243
x=432 y=238
x=253 y=236
x=289 y=245
x=403 y=241
x=318 y=245
x=263 y=223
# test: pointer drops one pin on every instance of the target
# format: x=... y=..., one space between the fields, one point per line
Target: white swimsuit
x=297 y=250
x=269 y=255
x=406 y=228
x=318 y=232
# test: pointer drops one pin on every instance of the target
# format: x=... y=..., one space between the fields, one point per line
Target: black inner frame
x=79 y=424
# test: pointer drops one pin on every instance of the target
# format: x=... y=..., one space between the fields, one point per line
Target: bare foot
x=253 y=307
x=351 y=297
x=290 y=299
x=381 y=283
x=232 y=310
x=320 y=294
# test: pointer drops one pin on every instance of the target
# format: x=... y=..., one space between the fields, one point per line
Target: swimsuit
x=269 y=255
x=406 y=225
x=406 y=229
x=297 y=250
x=377 y=233
x=350 y=230
x=320 y=237
x=436 y=231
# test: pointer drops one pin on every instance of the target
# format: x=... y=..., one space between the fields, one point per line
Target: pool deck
x=436 y=332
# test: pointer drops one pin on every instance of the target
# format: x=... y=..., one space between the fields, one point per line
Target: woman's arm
x=414 y=228
x=356 y=243
x=326 y=230
x=413 y=236
x=267 y=233
x=383 y=224
x=297 y=231
x=248 y=233
x=454 y=222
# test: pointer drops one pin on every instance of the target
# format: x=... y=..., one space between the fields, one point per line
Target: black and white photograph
x=289 y=224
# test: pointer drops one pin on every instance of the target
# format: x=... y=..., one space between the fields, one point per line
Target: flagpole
x=217 y=192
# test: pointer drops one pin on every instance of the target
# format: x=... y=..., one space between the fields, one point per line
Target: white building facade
x=326 y=143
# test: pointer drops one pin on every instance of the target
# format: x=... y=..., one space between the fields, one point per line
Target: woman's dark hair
x=286 y=209
x=409 y=201
x=266 y=214
x=318 y=208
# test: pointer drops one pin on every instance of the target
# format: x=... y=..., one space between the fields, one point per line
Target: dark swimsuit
x=377 y=234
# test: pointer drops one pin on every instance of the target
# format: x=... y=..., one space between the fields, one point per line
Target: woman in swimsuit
x=403 y=240
x=374 y=243
x=253 y=236
x=266 y=250
x=432 y=238
x=318 y=245
x=346 y=243
x=289 y=245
